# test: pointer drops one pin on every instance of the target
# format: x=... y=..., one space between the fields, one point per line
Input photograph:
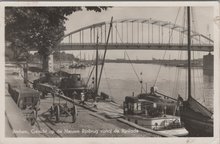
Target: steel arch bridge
x=135 y=34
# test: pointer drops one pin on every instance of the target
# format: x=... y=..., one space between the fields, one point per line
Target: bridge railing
x=122 y=44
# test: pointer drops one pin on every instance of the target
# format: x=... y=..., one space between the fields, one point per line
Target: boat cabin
x=150 y=106
x=72 y=81
x=132 y=105
x=152 y=113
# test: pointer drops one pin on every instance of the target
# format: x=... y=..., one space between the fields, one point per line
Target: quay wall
x=17 y=125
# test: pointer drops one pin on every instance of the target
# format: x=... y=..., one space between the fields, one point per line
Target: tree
x=41 y=28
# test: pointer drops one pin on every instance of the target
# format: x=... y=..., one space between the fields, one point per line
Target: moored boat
x=68 y=83
x=155 y=112
x=78 y=66
x=198 y=120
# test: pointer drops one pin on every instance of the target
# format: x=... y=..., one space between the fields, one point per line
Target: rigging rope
x=178 y=71
x=201 y=81
x=91 y=70
x=197 y=71
x=139 y=79
x=170 y=35
x=108 y=85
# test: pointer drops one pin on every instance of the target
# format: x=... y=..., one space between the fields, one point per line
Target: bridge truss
x=138 y=34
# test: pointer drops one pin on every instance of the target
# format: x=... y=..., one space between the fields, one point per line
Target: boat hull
x=197 y=128
x=196 y=122
x=160 y=124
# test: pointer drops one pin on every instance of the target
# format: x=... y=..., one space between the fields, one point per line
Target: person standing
x=95 y=104
x=74 y=95
x=82 y=98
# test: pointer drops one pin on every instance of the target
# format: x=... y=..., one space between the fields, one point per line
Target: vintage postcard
x=129 y=72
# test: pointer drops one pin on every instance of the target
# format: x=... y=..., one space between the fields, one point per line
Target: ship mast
x=189 y=51
x=96 y=66
x=103 y=59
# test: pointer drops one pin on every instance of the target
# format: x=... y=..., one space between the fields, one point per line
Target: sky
x=202 y=16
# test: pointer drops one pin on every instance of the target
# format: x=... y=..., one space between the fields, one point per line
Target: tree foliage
x=39 y=28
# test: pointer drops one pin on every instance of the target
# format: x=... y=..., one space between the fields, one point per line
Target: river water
x=120 y=80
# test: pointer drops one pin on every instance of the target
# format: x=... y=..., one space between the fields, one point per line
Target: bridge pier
x=51 y=63
x=208 y=64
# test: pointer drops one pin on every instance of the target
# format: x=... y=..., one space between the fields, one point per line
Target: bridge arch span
x=138 y=32
x=165 y=24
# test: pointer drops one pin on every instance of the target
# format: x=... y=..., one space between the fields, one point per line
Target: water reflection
x=119 y=80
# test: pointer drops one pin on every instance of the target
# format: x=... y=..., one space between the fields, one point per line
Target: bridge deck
x=135 y=46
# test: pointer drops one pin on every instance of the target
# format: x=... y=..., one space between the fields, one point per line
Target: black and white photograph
x=110 y=71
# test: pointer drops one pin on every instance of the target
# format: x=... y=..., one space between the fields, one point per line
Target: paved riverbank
x=89 y=122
